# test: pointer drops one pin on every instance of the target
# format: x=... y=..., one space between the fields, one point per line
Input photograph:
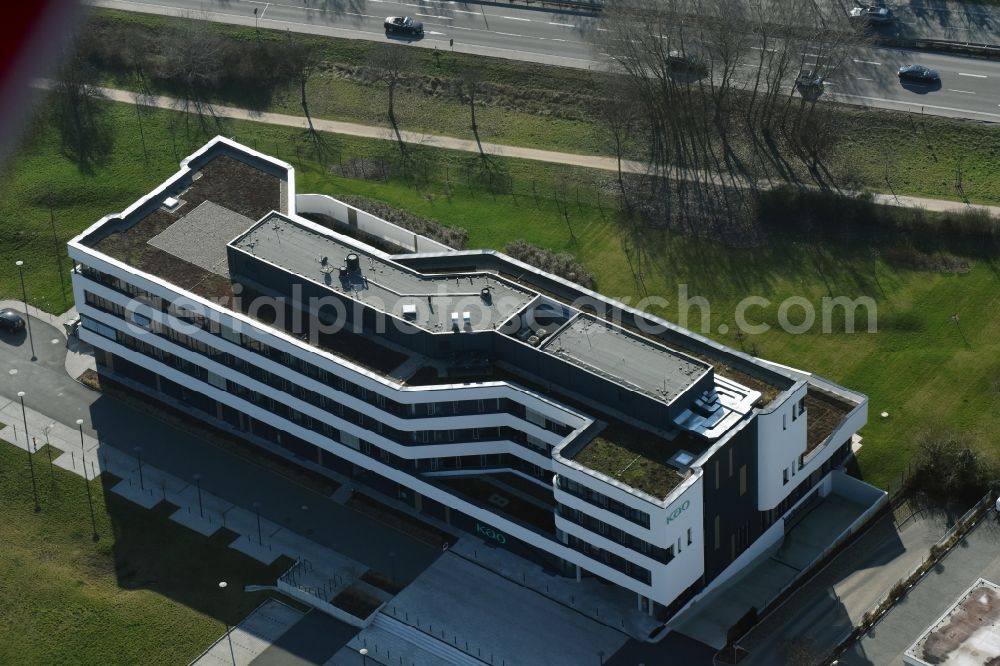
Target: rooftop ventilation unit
x=409 y=311
x=353 y=263
x=467 y=318
x=454 y=320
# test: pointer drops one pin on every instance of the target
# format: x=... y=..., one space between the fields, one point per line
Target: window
x=717 y=538
x=730 y=462
x=716 y=474
x=802 y=406
x=689 y=536
x=784 y=476
x=743 y=480
x=784 y=422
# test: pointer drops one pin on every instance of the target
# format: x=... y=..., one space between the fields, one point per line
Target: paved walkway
x=470 y=146
x=977 y=555
x=251 y=637
x=465 y=605
x=828 y=606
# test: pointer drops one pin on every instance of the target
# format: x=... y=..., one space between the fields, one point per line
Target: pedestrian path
x=599 y=162
x=245 y=642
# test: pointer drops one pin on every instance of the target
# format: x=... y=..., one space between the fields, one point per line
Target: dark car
x=918 y=73
x=809 y=80
x=10 y=321
x=403 y=25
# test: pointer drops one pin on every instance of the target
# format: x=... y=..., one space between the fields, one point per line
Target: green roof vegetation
x=634 y=457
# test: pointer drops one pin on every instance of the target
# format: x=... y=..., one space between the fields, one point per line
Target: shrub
x=453 y=237
x=949 y=466
x=562 y=264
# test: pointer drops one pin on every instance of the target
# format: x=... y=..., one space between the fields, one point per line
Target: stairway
x=447 y=653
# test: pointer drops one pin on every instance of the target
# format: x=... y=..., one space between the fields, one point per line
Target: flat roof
x=968 y=633
x=429 y=301
x=618 y=355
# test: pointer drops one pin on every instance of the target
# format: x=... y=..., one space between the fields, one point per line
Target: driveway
x=978 y=555
x=827 y=607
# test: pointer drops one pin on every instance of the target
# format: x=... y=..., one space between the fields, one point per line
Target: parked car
x=809 y=81
x=403 y=25
x=870 y=14
x=918 y=73
x=10 y=321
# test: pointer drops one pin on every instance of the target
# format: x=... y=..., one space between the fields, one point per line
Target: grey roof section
x=381 y=284
x=639 y=364
x=200 y=237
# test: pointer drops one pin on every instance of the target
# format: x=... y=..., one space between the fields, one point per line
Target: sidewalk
x=79 y=356
x=470 y=146
x=828 y=606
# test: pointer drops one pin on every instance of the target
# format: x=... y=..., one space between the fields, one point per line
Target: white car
x=871 y=14
x=403 y=25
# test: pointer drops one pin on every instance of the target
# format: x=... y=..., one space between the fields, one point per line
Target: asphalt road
x=968 y=86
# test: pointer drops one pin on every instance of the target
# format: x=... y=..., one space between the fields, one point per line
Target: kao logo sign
x=490 y=533
x=678 y=511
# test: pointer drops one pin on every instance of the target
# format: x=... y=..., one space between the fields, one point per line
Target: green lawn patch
x=920 y=366
x=145 y=592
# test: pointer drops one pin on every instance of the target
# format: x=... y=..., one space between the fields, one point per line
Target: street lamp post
x=392 y=566
x=138 y=457
x=364 y=656
x=27 y=442
x=86 y=481
x=260 y=538
x=197 y=481
x=222 y=586
x=27 y=317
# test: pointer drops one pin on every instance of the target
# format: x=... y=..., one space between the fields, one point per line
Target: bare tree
x=80 y=115
x=302 y=57
x=390 y=64
x=192 y=60
x=471 y=82
x=618 y=115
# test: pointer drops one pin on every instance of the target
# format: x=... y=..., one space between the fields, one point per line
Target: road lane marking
x=863 y=78
x=515 y=18
x=866 y=62
x=964 y=92
x=564 y=25
x=975 y=76
x=443 y=18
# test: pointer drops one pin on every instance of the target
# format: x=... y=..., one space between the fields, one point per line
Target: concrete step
x=446 y=652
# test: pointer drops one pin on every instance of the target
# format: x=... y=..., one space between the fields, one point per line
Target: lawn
x=542 y=106
x=145 y=592
x=918 y=366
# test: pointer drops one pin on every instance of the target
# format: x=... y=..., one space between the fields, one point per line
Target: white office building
x=508 y=402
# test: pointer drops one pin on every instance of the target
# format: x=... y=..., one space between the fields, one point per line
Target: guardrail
x=942 y=46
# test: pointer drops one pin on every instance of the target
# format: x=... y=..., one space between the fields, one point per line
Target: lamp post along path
x=27 y=443
x=86 y=481
x=27 y=317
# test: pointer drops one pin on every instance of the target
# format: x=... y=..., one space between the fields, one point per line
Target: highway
x=970 y=87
